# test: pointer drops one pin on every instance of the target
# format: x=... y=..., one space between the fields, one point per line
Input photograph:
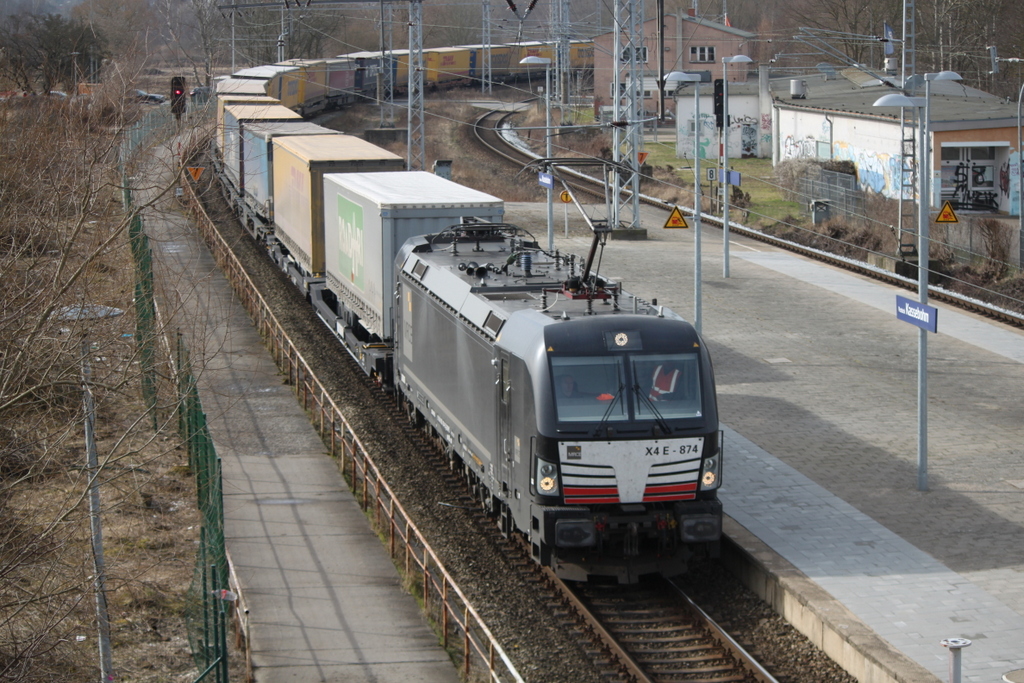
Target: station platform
x=325 y=602
x=817 y=384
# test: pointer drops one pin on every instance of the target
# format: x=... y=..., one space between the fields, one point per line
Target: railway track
x=659 y=635
x=487 y=133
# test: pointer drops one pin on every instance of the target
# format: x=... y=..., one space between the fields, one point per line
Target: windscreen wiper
x=608 y=410
x=641 y=396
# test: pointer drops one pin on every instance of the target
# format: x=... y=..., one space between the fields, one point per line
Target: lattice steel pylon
x=909 y=163
x=485 y=67
x=416 y=159
x=627 y=137
x=562 y=30
x=387 y=68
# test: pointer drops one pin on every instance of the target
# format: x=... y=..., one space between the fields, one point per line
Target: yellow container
x=446 y=64
x=581 y=54
x=300 y=162
x=308 y=82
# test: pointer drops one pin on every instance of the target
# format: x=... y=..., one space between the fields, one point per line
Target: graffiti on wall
x=966 y=195
x=792 y=148
x=766 y=128
x=748 y=141
x=707 y=132
x=1014 y=173
x=876 y=171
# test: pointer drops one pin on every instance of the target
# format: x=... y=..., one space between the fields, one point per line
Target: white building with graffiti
x=830 y=115
x=749 y=130
x=974 y=138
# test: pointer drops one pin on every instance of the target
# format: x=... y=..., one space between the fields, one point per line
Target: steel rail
x=702 y=621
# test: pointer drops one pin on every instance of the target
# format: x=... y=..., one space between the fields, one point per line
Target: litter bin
x=821 y=211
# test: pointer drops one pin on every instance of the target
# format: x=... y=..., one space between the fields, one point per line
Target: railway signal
x=178 y=100
x=719 y=102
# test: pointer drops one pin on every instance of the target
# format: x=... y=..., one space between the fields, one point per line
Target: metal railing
x=838 y=189
x=461 y=630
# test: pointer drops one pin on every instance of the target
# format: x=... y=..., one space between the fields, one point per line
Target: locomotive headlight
x=547 y=478
x=711 y=473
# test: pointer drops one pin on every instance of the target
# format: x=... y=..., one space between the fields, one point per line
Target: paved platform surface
x=325 y=602
x=817 y=385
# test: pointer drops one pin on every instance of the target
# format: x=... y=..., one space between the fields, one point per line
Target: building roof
x=696 y=21
x=701 y=21
x=954 y=106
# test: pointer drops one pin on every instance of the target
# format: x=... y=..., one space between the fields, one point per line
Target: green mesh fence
x=207 y=598
x=153 y=127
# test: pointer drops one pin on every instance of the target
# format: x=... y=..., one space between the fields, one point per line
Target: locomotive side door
x=505 y=436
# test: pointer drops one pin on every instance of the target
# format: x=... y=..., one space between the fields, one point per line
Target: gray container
x=237 y=115
x=367 y=219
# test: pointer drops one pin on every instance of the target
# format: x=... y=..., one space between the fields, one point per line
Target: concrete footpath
x=817 y=386
x=325 y=602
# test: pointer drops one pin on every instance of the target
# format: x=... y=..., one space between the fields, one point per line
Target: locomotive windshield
x=666 y=385
x=589 y=388
x=623 y=387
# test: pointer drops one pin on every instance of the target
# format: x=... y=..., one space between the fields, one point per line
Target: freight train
x=584 y=418
x=308 y=86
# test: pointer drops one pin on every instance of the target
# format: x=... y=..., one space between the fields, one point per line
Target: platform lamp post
x=680 y=76
x=534 y=60
x=726 y=61
x=1020 y=172
x=923 y=245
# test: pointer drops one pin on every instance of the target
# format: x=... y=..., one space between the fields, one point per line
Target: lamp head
x=898 y=100
x=682 y=77
x=535 y=60
x=737 y=59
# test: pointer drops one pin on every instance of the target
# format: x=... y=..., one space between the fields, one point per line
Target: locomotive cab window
x=589 y=389
x=666 y=385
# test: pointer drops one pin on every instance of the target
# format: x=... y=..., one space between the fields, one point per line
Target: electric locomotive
x=585 y=417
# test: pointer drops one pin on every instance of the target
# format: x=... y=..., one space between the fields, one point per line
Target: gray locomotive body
x=585 y=418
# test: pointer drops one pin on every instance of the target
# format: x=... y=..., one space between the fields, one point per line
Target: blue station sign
x=732 y=177
x=546 y=180
x=922 y=315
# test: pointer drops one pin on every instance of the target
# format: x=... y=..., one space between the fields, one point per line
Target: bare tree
x=122 y=22
x=63 y=251
x=44 y=51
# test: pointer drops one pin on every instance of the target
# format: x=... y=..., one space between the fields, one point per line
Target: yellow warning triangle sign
x=675 y=219
x=946 y=214
x=195 y=172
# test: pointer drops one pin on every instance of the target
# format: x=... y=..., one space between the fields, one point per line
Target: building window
x=702 y=54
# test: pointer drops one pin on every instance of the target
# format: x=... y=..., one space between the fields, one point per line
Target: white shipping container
x=367 y=219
